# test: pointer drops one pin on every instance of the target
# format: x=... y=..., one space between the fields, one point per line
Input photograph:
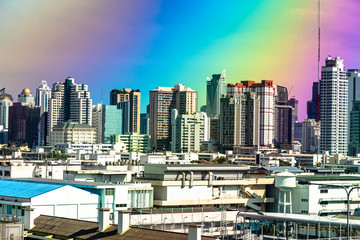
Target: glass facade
x=112 y=122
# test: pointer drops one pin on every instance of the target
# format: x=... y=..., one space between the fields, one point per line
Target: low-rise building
x=229 y=186
x=71 y=132
x=134 y=142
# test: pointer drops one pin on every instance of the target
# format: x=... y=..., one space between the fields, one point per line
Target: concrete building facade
x=188 y=131
x=71 y=132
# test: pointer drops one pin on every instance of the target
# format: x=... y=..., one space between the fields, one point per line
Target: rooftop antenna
x=101 y=96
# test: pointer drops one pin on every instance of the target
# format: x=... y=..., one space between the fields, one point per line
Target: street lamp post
x=348 y=192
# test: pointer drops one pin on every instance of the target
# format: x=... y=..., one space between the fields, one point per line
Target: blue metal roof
x=20 y=189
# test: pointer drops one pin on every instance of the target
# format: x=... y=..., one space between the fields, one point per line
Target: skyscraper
x=239 y=121
x=70 y=101
x=26 y=97
x=313 y=106
x=5 y=103
x=43 y=95
x=162 y=101
x=134 y=98
x=333 y=106
x=215 y=89
x=353 y=76
x=354 y=139
x=293 y=102
x=111 y=122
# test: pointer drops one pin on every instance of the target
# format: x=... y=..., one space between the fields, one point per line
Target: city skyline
x=144 y=45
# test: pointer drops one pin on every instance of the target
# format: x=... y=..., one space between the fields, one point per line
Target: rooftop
x=80 y=229
x=25 y=189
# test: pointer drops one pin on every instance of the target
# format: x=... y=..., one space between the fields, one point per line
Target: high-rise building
x=333 y=106
x=310 y=136
x=353 y=76
x=293 y=102
x=354 y=143
x=144 y=123
x=70 y=101
x=112 y=118
x=26 y=97
x=266 y=93
x=215 y=89
x=284 y=119
x=313 y=106
x=5 y=103
x=188 y=131
x=133 y=98
x=23 y=123
x=43 y=95
x=284 y=125
x=125 y=107
x=239 y=121
x=162 y=101
x=97 y=121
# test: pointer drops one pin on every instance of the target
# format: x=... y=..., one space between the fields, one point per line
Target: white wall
x=188 y=193
x=67 y=201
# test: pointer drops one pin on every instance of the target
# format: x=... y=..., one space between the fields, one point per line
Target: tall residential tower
x=333 y=107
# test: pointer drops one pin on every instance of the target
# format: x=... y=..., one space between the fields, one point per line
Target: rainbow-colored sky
x=143 y=44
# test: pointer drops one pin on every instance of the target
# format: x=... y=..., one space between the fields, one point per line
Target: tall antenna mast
x=318 y=73
x=101 y=96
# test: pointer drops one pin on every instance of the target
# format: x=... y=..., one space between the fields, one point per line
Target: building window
x=9 y=209
x=304 y=200
x=323 y=191
x=121 y=205
x=109 y=192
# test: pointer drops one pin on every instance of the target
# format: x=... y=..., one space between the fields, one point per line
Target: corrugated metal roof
x=22 y=189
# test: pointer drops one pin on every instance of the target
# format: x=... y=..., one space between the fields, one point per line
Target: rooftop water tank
x=285 y=180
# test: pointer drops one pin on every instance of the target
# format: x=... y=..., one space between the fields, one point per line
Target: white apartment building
x=333 y=106
x=227 y=186
x=5 y=103
x=43 y=96
x=70 y=132
x=188 y=131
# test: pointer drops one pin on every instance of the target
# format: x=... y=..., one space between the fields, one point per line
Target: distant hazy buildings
x=188 y=131
x=26 y=97
x=215 y=89
x=162 y=101
x=310 y=136
x=133 y=97
x=70 y=101
x=333 y=106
